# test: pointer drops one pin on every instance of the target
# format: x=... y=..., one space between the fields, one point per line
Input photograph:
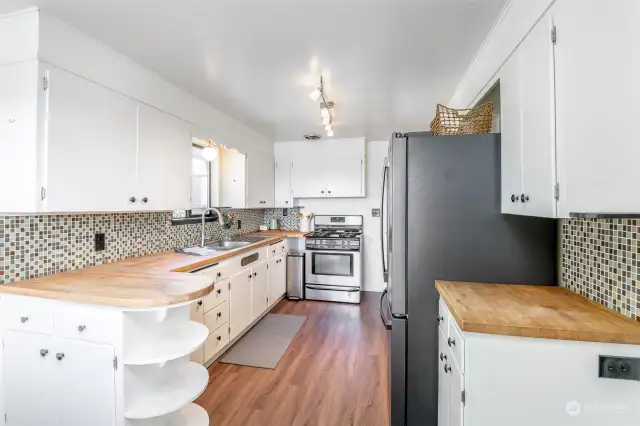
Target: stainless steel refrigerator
x=441 y=219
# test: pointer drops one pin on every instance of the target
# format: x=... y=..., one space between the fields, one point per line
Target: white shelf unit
x=190 y=415
x=161 y=389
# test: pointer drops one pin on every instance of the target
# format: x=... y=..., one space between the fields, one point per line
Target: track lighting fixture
x=326 y=107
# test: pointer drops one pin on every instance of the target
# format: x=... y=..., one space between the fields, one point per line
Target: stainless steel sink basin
x=227 y=245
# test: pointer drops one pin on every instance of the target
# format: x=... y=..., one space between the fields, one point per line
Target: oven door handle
x=385 y=321
x=333 y=288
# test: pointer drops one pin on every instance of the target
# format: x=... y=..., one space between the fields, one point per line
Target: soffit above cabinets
x=386 y=63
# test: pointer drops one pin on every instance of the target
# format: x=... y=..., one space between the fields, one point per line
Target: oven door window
x=340 y=264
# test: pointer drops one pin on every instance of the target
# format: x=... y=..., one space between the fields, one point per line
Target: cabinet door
x=239 y=302
x=91 y=150
x=233 y=178
x=345 y=172
x=273 y=279
x=18 y=128
x=261 y=180
x=308 y=176
x=164 y=161
x=538 y=131
x=443 y=380
x=259 y=290
x=511 y=139
x=283 y=183
x=197 y=315
x=85 y=377
x=28 y=395
x=456 y=386
x=281 y=283
x=597 y=92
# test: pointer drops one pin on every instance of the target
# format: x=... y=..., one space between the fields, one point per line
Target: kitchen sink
x=221 y=246
x=227 y=245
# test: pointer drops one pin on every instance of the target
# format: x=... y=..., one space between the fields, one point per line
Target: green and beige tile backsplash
x=32 y=246
x=600 y=262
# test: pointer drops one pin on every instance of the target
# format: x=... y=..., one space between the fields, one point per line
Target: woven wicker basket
x=451 y=121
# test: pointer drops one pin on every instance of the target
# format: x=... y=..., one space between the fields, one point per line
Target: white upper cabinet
x=261 y=180
x=283 y=197
x=233 y=178
x=597 y=92
x=164 y=161
x=528 y=126
x=90 y=147
x=18 y=134
x=327 y=168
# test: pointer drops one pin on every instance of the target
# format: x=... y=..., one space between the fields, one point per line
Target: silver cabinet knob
x=440 y=319
x=145 y=199
x=219 y=314
x=218 y=291
x=447 y=368
x=199 y=302
x=442 y=356
x=60 y=355
x=219 y=337
x=44 y=352
x=81 y=328
x=132 y=199
x=451 y=342
x=24 y=319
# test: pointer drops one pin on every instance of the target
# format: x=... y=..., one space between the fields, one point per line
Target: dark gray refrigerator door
x=398 y=367
x=397 y=225
x=456 y=232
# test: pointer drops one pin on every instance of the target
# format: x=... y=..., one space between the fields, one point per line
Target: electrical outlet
x=375 y=212
x=285 y=212
x=239 y=224
x=100 y=242
x=612 y=367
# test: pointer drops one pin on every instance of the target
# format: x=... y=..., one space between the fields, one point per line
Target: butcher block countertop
x=142 y=282
x=109 y=286
x=282 y=233
x=534 y=311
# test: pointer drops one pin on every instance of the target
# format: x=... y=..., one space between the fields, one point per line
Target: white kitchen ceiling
x=386 y=63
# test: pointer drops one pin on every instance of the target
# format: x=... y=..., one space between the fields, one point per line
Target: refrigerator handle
x=385 y=271
x=385 y=321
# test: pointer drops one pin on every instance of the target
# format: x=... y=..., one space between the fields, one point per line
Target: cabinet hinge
x=43 y=193
x=45 y=83
x=229 y=330
x=229 y=284
x=556 y=191
x=464 y=397
x=115 y=362
x=554 y=35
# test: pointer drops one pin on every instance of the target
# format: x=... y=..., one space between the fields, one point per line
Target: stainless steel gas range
x=334 y=259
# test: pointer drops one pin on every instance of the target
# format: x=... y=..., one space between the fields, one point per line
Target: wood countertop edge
x=537 y=332
x=115 y=302
x=223 y=256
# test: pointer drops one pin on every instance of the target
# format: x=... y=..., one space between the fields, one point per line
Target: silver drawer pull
x=24 y=319
x=60 y=355
x=43 y=352
x=81 y=328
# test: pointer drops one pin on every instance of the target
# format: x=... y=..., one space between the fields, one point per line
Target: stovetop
x=335 y=233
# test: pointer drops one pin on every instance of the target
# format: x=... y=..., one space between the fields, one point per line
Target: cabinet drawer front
x=89 y=325
x=218 y=272
x=456 y=343
x=27 y=315
x=443 y=318
x=216 y=341
x=216 y=317
x=220 y=294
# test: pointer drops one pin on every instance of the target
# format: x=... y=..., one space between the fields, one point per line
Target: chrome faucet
x=203 y=215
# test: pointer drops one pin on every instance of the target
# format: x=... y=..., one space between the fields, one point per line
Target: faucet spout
x=203 y=216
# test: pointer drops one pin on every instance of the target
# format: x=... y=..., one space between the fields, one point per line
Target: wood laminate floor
x=334 y=373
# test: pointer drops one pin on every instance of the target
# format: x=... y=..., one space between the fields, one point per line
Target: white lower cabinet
x=497 y=380
x=240 y=313
x=277 y=278
x=259 y=289
x=46 y=381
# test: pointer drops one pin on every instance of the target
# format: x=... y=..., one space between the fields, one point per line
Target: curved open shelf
x=186 y=384
x=171 y=342
x=191 y=415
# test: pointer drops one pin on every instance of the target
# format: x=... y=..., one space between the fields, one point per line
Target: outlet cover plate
x=618 y=367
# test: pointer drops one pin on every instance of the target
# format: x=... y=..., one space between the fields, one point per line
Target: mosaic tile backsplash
x=600 y=262
x=32 y=246
x=290 y=222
